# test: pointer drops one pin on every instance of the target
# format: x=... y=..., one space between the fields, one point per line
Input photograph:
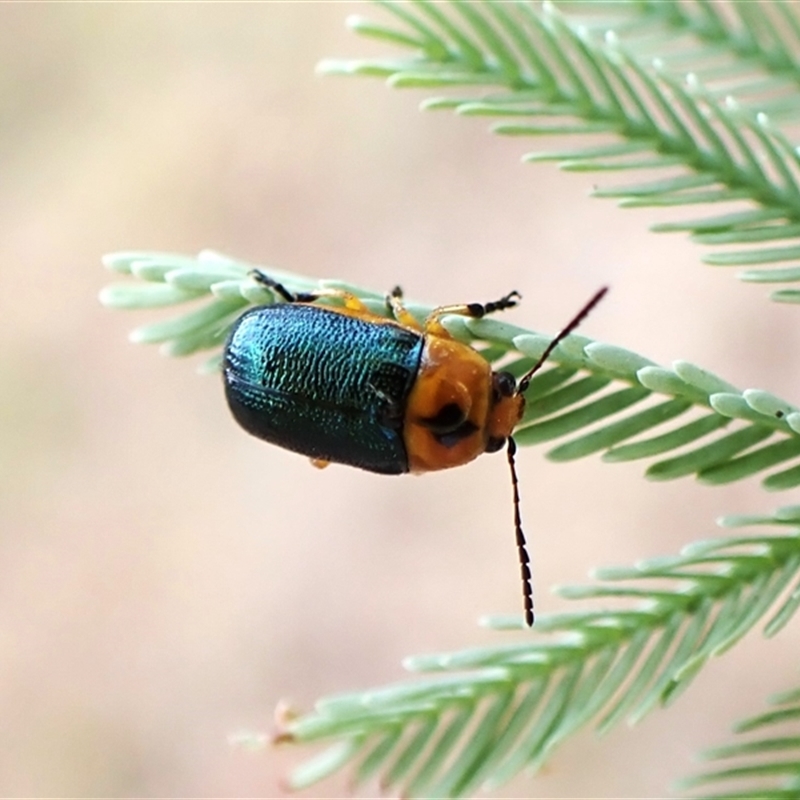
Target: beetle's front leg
x=475 y=310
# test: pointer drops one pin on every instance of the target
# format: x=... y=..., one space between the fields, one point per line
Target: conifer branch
x=597 y=398
x=545 y=74
x=764 y=761
x=484 y=714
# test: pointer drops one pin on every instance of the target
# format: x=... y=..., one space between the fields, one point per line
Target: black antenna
x=522 y=547
x=566 y=331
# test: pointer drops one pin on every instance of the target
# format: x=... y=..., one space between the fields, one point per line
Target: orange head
x=457 y=408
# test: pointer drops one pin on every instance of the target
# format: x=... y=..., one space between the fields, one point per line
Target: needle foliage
x=694 y=103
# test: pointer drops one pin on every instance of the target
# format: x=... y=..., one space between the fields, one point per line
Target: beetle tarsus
x=276 y=286
x=479 y=310
x=507 y=301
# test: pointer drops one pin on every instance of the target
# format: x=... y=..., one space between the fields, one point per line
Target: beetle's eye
x=503 y=384
x=495 y=443
x=450 y=425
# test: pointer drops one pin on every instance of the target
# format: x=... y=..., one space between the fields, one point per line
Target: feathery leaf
x=678 y=104
x=598 y=397
x=501 y=709
x=766 y=764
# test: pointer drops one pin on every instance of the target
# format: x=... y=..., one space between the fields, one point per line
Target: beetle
x=389 y=395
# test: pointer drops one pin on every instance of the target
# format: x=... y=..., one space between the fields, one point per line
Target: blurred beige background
x=165 y=579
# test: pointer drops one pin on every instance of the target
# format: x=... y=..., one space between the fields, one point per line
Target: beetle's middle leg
x=475 y=310
x=394 y=302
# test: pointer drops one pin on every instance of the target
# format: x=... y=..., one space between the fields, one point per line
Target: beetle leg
x=475 y=310
x=277 y=287
x=350 y=300
x=394 y=302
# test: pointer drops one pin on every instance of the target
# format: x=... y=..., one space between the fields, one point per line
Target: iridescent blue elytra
x=330 y=386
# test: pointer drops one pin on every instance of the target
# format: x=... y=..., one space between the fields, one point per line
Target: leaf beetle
x=343 y=384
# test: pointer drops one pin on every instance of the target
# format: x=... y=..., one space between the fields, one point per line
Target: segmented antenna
x=522 y=547
x=524 y=382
